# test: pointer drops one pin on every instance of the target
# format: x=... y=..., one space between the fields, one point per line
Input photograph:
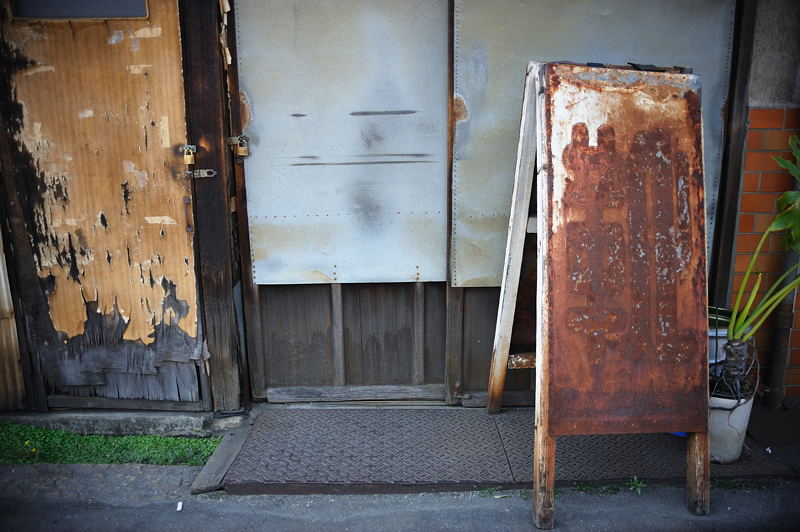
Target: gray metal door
x=347 y=195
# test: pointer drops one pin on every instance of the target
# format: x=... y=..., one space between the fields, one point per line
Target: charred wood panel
x=12 y=385
x=622 y=240
x=94 y=199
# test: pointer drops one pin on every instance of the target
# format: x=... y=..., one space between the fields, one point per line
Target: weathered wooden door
x=99 y=208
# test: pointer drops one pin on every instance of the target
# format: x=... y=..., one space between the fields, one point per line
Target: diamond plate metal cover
x=390 y=447
x=378 y=450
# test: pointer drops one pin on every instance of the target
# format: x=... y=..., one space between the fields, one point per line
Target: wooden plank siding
x=298 y=347
x=12 y=384
x=299 y=344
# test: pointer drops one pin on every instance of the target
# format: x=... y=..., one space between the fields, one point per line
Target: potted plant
x=718 y=320
x=734 y=379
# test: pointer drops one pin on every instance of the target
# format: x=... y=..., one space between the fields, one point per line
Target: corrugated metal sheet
x=495 y=39
x=622 y=262
x=347 y=177
x=12 y=387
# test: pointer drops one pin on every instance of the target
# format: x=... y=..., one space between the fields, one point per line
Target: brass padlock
x=188 y=154
x=241 y=149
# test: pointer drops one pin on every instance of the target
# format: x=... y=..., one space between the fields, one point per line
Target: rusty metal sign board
x=622 y=255
x=347 y=120
x=495 y=39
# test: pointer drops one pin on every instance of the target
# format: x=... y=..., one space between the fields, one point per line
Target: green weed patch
x=24 y=444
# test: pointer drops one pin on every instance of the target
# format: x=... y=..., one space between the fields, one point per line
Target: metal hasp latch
x=203 y=172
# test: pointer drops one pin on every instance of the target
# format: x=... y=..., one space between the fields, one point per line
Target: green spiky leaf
x=788 y=165
x=789 y=199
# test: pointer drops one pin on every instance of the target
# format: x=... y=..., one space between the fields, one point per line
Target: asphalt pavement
x=54 y=498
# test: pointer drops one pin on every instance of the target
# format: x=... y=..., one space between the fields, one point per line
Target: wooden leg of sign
x=544 y=472
x=698 y=471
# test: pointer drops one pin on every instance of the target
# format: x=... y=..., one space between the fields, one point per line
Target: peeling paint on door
x=98 y=149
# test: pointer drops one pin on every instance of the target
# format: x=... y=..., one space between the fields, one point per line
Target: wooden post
x=205 y=104
x=544 y=444
x=544 y=473
x=250 y=293
x=698 y=490
x=517 y=229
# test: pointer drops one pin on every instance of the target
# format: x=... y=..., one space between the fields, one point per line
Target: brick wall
x=763 y=181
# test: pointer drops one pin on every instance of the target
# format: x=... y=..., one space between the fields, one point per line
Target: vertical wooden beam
x=418 y=362
x=544 y=444
x=337 y=329
x=18 y=223
x=515 y=244
x=454 y=341
x=698 y=469
x=250 y=293
x=205 y=106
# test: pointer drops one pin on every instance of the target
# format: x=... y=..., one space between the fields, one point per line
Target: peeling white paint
x=164 y=130
x=138 y=69
x=149 y=32
x=162 y=220
x=39 y=69
x=130 y=168
x=86 y=113
x=116 y=37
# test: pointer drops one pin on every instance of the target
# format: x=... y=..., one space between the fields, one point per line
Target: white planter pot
x=716 y=345
x=727 y=428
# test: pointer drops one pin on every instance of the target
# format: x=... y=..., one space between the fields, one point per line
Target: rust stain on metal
x=522 y=361
x=626 y=282
x=460 y=112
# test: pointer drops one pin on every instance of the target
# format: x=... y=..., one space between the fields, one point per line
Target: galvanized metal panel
x=347 y=177
x=495 y=39
x=622 y=264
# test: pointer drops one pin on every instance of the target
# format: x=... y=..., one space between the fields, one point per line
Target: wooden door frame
x=208 y=127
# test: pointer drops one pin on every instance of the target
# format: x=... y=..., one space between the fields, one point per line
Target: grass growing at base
x=25 y=444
